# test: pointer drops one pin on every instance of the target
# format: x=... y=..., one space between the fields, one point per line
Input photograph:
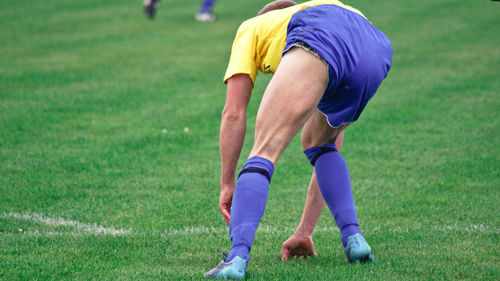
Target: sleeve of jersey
x=243 y=53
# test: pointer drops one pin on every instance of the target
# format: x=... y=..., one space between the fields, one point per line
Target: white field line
x=56 y=221
x=95 y=229
x=472 y=228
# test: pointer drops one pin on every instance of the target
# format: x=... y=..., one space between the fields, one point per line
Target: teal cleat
x=358 y=250
x=234 y=269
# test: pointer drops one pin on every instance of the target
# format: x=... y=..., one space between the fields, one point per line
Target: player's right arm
x=232 y=135
x=240 y=76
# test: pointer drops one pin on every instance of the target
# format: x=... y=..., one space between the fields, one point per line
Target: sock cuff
x=260 y=165
x=315 y=152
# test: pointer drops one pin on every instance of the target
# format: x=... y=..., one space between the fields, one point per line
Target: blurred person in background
x=205 y=14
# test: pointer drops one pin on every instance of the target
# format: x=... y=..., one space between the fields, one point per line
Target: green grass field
x=109 y=166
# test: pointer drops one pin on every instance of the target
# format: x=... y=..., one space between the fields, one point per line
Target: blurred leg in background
x=206 y=13
x=150 y=7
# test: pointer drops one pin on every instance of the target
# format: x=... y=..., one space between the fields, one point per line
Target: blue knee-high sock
x=335 y=185
x=249 y=203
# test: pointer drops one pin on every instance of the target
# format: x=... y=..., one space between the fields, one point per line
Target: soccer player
x=205 y=14
x=328 y=61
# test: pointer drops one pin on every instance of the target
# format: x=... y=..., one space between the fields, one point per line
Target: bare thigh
x=289 y=101
x=317 y=131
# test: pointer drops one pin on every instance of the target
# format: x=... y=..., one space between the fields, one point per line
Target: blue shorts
x=358 y=57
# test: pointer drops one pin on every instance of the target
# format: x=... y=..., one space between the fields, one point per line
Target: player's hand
x=298 y=246
x=225 y=200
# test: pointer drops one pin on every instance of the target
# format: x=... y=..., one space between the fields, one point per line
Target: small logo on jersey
x=267 y=68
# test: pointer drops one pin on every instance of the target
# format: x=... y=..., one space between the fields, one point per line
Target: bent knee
x=308 y=139
x=319 y=136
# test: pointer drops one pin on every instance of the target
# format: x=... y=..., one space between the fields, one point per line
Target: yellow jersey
x=259 y=41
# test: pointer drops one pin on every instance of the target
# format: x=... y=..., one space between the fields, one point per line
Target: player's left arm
x=232 y=135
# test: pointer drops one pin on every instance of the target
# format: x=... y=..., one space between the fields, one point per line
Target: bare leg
x=290 y=99
x=334 y=182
